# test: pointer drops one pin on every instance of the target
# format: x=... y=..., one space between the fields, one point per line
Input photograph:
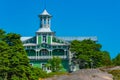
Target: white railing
x=46 y=57
x=32 y=57
x=63 y=57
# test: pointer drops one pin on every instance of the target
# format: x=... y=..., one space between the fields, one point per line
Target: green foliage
x=116 y=74
x=89 y=52
x=106 y=60
x=35 y=73
x=2 y=34
x=14 y=63
x=116 y=60
x=55 y=64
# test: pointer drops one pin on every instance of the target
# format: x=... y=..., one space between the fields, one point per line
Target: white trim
x=37 y=37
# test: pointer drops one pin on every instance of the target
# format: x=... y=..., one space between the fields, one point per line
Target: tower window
x=44 y=20
x=44 y=39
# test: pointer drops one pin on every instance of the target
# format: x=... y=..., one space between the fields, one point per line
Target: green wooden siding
x=49 y=39
x=39 y=39
x=65 y=64
x=36 y=63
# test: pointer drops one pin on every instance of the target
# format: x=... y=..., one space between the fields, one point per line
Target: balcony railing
x=46 y=57
x=32 y=57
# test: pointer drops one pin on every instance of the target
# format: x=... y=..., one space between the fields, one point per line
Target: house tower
x=44 y=33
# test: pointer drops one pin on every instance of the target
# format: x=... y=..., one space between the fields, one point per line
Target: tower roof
x=44 y=30
x=45 y=13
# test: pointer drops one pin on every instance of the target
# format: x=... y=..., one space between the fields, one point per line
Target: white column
x=42 y=22
x=36 y=54
x=39 y=54
x=69 y=57
x=50 y=53
x=49 y=22
x=37 y=39
x=65 y=53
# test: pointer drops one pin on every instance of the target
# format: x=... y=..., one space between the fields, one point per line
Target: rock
x=84 y=74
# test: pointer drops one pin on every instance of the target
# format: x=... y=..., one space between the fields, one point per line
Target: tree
x=55 y=64
x=4 y=60
x=2 y=34
x=14 y=63
x=106 y=59
x=116 y=60
x=13 y=58
x=88 y=52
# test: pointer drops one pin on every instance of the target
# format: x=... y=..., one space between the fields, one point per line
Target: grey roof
x=44 y=29
x=94 y=38
x=25 y=38
x=71 y=38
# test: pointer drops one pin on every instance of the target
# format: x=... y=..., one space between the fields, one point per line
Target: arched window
x=44 y=52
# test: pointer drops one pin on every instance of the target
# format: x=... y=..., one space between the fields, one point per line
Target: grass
x=56 y=73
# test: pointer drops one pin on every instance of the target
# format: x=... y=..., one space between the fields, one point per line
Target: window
x=44 y=20
x=44 y=39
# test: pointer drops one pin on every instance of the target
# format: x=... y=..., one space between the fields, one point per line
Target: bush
x=37 y=73
x=116 y=74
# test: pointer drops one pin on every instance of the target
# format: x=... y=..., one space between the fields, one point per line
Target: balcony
x=46 y=57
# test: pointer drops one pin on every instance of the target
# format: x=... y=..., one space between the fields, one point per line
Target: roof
x=25 y=38
x=94 y=38
x=45 y=13
x=44 y=29
x=54 y=43
x=71 y=38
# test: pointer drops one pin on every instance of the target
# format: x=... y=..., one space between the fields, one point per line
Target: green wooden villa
x=44 y=45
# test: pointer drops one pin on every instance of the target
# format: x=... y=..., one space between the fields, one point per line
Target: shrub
x=116 y=74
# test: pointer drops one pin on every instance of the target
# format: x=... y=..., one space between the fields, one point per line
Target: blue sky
x=99 y=18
